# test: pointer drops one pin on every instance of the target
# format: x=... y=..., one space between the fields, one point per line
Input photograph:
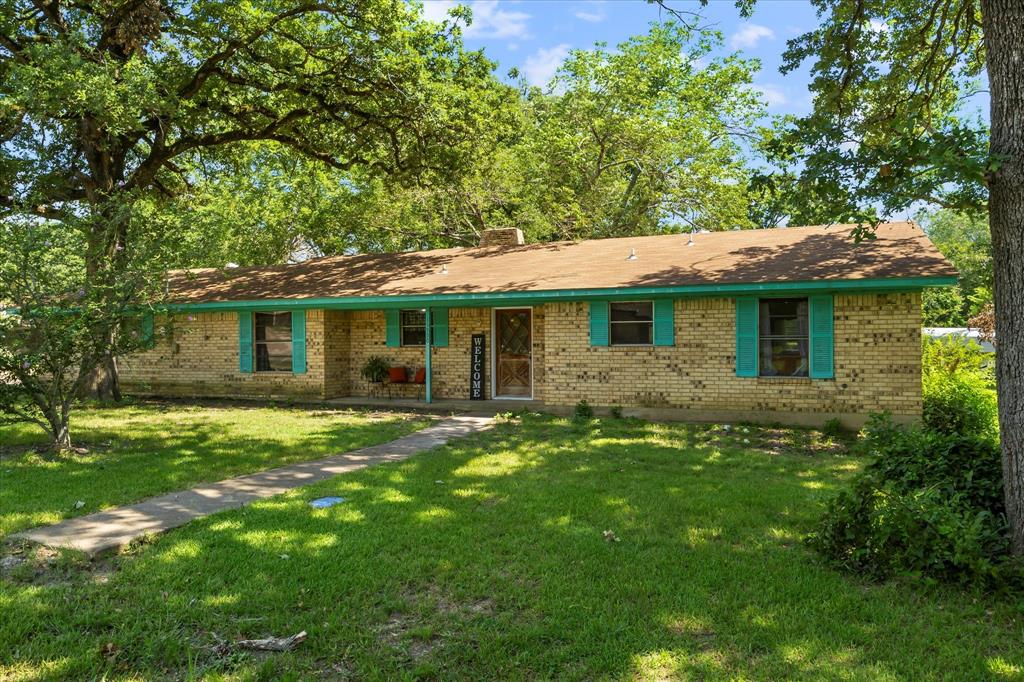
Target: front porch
x=491 y=353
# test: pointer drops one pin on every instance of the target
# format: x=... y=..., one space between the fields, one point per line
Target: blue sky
x=536 y=35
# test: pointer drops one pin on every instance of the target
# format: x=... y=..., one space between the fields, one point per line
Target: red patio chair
x=419 y=380
x=396 y=376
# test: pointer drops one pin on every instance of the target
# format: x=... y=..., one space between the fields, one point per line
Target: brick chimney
x=506 y=236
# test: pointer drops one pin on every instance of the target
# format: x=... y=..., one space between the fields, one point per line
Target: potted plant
x=375 y=369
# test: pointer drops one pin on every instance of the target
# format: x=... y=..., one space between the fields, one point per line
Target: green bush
x=583 y=411
x=958 y=389
x=928 y=504
x=833 y=428
x=375 y=369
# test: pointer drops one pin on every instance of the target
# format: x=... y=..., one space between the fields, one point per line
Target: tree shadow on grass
x=156 y=451
x=488 y=558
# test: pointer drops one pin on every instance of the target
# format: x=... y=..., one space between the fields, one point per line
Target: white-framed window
x=413 y=327
x=783 y=343
x=631 y=323
x=273 y=341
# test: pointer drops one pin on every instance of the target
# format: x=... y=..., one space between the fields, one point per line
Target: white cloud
x=877 y=26
x=489 y=20
x=542 y=64
x=772 y=95
x=749 y=36
x=592 y=17
x=437 y=10
x=592 y=11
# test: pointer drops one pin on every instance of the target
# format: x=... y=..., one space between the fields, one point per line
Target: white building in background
x=964 y=334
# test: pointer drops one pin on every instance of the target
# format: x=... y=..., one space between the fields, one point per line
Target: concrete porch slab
x=491 y=406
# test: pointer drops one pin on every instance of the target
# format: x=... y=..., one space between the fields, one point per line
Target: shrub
x=928 y=504
x=375 y=369
x=958 y=389
x=583 y=411
x=616 y=412
x=833 y=429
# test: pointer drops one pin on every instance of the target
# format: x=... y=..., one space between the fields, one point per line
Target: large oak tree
x=106 y=104
x=890 y=129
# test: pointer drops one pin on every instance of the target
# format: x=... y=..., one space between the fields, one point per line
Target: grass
x=542 y=549
x=144 y=449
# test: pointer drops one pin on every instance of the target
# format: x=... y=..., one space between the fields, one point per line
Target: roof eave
x=487 y=299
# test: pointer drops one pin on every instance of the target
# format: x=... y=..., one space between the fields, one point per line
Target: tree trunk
x=60 y=434
x=1004 y=43
x=114 y=378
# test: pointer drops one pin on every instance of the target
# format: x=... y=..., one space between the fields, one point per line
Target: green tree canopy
x=889 y=129
x=964 y=239
x=112 y=112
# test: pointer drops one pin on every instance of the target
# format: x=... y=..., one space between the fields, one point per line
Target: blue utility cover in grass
x=324 y=502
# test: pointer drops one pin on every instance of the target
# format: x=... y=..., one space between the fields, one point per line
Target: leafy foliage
x=958 y=389
x=634 y=140
x=833 y=428
x=375 y=369
x=630 y=139
x=126 y=122
x=965 y=240
x=931 y=502
x=928 y=504
x=61 y=324
x=888 y=127
x=583 y=411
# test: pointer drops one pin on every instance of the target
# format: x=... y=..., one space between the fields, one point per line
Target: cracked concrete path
x=113 y=528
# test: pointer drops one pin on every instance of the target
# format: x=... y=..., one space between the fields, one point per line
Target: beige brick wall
x=337 y=347
x=200 y=358
x=877 y=360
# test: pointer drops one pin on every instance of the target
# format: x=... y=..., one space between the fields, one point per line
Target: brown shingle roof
x=795 y=254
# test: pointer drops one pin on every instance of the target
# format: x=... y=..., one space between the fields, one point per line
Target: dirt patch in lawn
x=781 y=441
x=27 y=563
x=414 y=630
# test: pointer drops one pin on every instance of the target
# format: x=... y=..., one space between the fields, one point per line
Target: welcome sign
x=476 y=368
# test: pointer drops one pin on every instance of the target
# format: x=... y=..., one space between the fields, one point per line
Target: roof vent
x=506 y=236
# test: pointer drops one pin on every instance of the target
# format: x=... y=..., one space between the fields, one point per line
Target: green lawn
x=145 y=449
x=542 y=549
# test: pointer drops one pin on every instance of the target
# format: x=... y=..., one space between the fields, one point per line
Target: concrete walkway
x=116 y=527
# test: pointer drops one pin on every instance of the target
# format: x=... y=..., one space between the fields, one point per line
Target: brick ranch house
x=796 y=325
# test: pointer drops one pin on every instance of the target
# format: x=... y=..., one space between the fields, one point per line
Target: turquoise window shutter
x=245 y=341
x=822 y=336
x=599 y=323
x=298 y=342
x=664 y=322
x=392 y=329
x=439 y=319
x=746 y=336
x=148 y=330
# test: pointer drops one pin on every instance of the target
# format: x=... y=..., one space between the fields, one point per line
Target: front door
x=513 y=351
